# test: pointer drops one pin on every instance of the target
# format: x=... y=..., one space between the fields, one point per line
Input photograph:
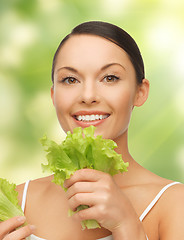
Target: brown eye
x=70 y=80
x=111 y=78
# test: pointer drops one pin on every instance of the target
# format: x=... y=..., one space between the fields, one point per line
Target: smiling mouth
x=90 y=118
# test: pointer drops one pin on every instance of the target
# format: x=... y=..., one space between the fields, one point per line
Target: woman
x=98 y=79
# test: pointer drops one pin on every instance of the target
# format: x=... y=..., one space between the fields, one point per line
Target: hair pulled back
x=114 y=34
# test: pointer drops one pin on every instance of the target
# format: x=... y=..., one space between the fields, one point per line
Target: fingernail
x=32 y=227
x=21 y=219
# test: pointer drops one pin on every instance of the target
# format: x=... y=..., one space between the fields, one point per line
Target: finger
x=89 y=175
x=11 y=224
x=21 y=233
x=86 y=214
x=82 y=187
x=82 y=199
x=90 y=199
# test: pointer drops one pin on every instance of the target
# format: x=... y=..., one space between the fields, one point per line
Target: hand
x=8 y=232
x=107 y=203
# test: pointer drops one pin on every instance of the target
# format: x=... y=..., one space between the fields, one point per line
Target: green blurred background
x=30 y=32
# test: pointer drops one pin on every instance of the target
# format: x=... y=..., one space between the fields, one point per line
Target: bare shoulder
x=165 y=221
x=46 y=207
x=171 y=209
x=38 y=187
x=174 y=199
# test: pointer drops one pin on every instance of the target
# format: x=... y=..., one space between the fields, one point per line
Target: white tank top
x=141 y=218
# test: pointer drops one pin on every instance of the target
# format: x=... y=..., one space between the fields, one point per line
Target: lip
x=84 y=112
x=87 y=124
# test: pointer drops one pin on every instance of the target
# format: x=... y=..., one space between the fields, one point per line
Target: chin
x=104 y=134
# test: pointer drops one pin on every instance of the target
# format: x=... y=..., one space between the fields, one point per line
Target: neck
x=122 y=146
x=126 y=178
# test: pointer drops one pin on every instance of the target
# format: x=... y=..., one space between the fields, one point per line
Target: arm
x=172 y=214
x=130 y=231
x=108 y=205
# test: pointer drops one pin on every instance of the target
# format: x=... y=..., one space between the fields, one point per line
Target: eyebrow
x=102 y=69
x=112 y=64
x=68 y=68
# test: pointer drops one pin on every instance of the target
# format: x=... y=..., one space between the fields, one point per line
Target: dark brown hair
x=114 y=34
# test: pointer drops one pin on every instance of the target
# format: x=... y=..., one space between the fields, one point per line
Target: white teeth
x=87 y=118
x=91 y=117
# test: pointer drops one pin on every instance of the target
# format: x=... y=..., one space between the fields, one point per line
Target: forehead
x=91 y=49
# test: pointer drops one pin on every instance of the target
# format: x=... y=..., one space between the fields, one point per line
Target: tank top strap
x=24 y=196
x=154 y=201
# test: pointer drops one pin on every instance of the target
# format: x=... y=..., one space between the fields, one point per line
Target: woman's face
x=94 y=84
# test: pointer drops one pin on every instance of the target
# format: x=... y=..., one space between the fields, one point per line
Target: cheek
x=62 y=100
x=126 y=102
x=122 y=100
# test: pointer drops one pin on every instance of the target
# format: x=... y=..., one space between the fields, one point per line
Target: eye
x=111 y=78
x=70 y=80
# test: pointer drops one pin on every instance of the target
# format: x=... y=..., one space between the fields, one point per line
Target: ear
x=142 y=93
x=52 y=93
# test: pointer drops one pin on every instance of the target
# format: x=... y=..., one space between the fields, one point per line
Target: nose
x=89 y=93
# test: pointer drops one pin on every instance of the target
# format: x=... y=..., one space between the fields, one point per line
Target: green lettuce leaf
x=82 y=150
x=9 y=206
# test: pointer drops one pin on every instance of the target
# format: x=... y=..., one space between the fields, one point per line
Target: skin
x=115 y=202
